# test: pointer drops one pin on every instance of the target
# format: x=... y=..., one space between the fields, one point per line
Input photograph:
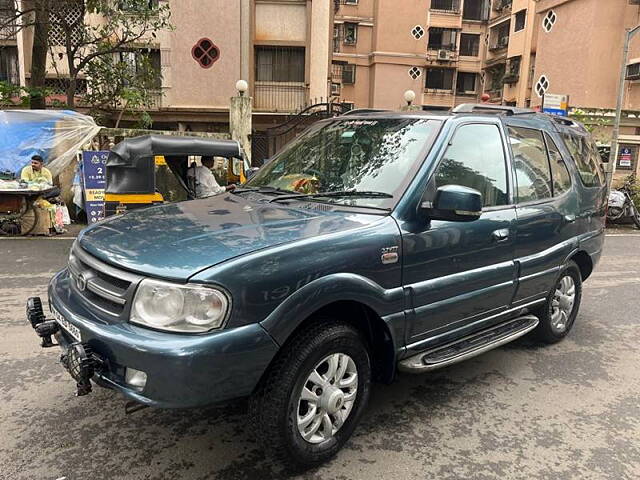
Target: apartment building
x=9 y=62
x=447 y=51
x=281 y=47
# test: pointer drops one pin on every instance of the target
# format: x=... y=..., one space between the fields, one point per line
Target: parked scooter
x=621 y=205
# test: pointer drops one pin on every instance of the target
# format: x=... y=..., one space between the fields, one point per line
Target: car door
x=545 y=207
x=460 y=272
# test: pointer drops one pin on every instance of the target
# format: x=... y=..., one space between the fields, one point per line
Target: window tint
x=559 y=172
x=533 y=177
x=585 y=154
x=475 y=159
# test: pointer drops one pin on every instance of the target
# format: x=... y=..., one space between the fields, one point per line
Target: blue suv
x=375 y=242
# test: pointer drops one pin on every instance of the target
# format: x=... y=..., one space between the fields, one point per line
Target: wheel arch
x=584 y=262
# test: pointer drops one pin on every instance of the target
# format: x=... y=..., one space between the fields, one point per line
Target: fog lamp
x=135 y=378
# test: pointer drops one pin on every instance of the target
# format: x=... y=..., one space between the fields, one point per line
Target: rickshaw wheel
x=28 y=220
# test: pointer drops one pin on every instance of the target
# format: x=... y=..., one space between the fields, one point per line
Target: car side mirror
x=454 y=203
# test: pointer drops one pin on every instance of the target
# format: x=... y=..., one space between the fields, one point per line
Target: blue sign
x=94 y=166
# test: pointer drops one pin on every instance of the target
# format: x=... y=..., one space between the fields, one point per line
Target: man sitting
x=205 y=182
x=36 y=172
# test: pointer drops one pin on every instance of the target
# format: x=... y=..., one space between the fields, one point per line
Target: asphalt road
x=524 y=411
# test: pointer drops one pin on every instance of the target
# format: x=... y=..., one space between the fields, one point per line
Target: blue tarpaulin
x=55 y=135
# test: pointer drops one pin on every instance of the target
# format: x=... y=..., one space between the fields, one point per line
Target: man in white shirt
x=205 y=182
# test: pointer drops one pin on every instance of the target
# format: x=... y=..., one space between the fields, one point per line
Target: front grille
x=102 y=287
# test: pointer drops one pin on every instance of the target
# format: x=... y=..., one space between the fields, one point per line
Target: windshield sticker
x=357 y=123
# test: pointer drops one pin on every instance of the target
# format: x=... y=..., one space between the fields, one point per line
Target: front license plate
x=66 y=325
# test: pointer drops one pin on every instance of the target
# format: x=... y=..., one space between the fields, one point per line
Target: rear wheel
x=635 y=214
x=313 y=396
x=559 y=312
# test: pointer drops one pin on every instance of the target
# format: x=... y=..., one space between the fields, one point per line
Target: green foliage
x=15 y=95
x=634 y=189
x=130 y=84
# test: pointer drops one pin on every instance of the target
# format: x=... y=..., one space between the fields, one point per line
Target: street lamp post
x=613 y=155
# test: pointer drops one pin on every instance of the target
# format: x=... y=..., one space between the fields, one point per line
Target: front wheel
x=635 y=215
x=311 y=399
x=559 y=312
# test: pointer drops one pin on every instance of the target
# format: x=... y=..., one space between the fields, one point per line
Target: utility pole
x=613 y=155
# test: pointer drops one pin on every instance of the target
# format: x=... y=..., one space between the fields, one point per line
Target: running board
x=469 y=346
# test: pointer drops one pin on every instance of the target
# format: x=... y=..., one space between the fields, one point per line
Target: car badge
x=81 y=282
x=389 y=255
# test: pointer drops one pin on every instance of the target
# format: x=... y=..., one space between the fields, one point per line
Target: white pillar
x=319 y=48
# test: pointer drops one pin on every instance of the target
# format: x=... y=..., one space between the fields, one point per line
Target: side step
x=470 y=346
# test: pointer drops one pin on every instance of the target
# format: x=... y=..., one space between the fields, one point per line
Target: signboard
x=555 y=104
x=94 y=176
x=626 y=156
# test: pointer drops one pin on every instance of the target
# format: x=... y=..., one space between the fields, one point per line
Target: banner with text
x=94 y=176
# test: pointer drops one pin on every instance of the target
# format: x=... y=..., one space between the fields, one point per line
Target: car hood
x=175 y=241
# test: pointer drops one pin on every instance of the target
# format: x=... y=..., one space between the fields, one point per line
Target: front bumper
x=182 y=370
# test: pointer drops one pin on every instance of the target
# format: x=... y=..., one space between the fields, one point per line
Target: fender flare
x=297 y=307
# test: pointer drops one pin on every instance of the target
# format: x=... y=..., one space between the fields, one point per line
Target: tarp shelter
x=56 y=135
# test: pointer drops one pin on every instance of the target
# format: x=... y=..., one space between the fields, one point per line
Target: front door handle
x=501 y=234
x=570 y=218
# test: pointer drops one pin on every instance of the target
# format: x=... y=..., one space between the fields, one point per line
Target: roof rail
x=358 y=111
x=495 y=109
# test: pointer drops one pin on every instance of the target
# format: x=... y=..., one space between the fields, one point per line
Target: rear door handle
x=570 y=218
x=501 y=234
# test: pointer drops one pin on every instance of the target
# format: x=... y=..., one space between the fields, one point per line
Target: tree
x=81 y=33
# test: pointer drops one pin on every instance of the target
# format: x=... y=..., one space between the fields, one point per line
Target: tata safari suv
x=375 y=242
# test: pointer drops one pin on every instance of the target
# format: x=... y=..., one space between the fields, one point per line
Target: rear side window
x=559 y=172
x=586 y=157
x=533 y=177
x=475 y=159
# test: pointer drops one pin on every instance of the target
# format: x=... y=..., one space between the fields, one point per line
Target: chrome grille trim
x=105 y=288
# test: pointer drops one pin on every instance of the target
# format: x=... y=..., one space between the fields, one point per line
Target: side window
x=475 y=159
x=559 y=172
x=586 y=157
x=533 y=177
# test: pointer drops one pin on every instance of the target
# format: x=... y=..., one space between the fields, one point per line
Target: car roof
x=509 y=115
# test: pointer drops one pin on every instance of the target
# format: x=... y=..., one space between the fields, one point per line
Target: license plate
x=66 y=325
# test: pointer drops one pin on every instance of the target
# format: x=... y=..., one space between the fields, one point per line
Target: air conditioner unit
x=443 y=54
x=335 y=89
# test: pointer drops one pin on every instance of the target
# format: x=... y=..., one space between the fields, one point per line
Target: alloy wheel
x=563 y=302
x=327 y=398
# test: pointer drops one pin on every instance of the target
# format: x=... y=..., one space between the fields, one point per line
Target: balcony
x=502 y=6
x=449 y=6
x=8 y=27
x=511 y=78
x=280 y=96
x=499 y=44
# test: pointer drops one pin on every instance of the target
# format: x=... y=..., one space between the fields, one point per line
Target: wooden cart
x=18 y=215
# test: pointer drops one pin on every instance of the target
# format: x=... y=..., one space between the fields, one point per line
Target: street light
x=613 y=154
x=409 y=97
x=242 y=86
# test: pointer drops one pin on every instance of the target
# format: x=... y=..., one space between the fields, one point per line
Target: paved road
x=569 y=411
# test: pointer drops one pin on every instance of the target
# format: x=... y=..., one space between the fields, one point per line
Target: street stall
x=30 y=206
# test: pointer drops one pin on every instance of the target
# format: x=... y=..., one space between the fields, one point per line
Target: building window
x=205 y=52
x=59 y=86
x=549 y=21
x=446 y=5
x=476 y=10
x=134 y=59
x=280 y=64
x=9 y=65
x=440 y=78
x=512 y=74
x=500 y=36
x=349 y=74
x=350 y=33
x=66 y=21
x=542 y=86
x=520 y=21
x=350 y=2
x=415 y=72
x=469 y=45
x=466 y=84
x=633 y=71
x=442 y=38
x=133 y=5
x=417 y=32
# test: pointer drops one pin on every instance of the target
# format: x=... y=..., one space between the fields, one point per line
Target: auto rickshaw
x=152 y=169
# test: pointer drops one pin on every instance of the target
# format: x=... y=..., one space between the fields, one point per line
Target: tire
x=277 y=404
x=556 y=315
x=635 y=215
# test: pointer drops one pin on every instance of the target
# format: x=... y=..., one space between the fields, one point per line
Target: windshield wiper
x=340 y=193
x=274 y=190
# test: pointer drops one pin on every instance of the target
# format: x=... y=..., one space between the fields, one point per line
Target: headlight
x=178 y=308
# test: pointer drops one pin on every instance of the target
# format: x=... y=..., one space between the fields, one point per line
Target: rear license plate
x=66 y=325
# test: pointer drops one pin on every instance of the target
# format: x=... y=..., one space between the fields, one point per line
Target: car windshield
x=361 y=162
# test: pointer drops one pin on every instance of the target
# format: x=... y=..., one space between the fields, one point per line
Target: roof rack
x=495 y=109
x=359 y=111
